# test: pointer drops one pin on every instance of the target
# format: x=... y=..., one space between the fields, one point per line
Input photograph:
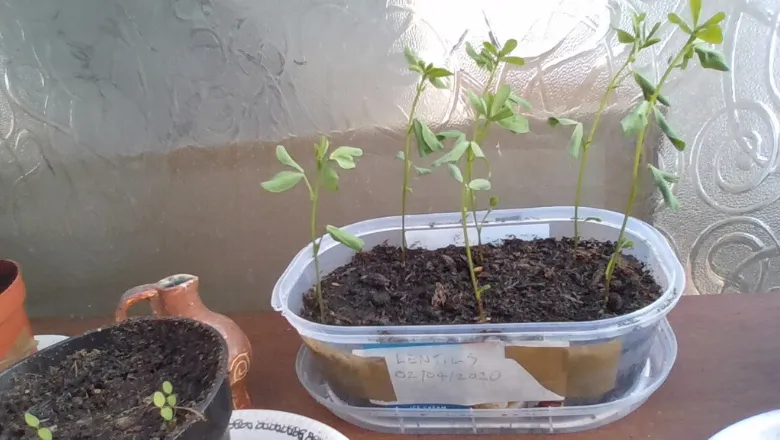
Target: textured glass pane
x=134 y=135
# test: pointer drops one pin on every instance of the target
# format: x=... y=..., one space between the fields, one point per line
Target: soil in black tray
x=106 y=393
x=530 y=281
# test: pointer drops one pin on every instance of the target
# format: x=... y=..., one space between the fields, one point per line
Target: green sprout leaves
x=575 y=143
x=490 y=55
x=670 y=132
x=662 y=181
x=434 y=75
x=427 y=142
x=711 y=58
x=345 y=238
x=165 y=400
x=34 y=423
x=282 y=181
x=636 y=121
x=648 y=89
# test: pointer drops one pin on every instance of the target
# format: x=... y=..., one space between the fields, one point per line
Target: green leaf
x=427 y=142
x=515 y=61
x=553 y=121
x=648 y=89
x=651 y=42
x=711 y=59
x=330 y=178
x=450 y=134
x=399 y=155
x=422 y=171
x=166 y=413
x=711 y=34
x=493 y=202
x=455 y=172
x=478 y=103
x=695 y=10
x=44 y=434
x=171 y=400
x=438 y=72
x=416 y=68
x=438 y=83
x=502 y=94
x=624 y=37
x=282 y=181
x=322 y=147
x=285 y=159
x=504 y=113
x=167 y=387
x=520 y=101
x=411 y=57
x=345 y=156
x=159 y=399
x=490 y=48
x=509 y=46
x=662 y=181
x=655 y=28
x=345 y=238
x=715 y=19
x=346 y=151
x=670 y=133
x=575 y=144
x=676 y=19
x=345 y=162
x=454 y=155
x=31 y=420
x=636 y=121
x=516 y=124
x=479 y=185
x=476 y=150
x=473 y=53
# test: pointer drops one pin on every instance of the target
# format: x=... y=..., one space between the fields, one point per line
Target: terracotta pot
x=16 y=338
x=178 y=295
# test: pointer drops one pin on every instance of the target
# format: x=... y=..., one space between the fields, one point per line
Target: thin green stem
x=586 y=146
x=314 y=192
x=469 y=259
x=637 y=160
x=408 y=165
x=479 y=135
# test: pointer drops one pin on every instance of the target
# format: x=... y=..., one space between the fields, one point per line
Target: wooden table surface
x=728 y=368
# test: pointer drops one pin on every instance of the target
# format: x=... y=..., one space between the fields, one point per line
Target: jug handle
x=139 y=293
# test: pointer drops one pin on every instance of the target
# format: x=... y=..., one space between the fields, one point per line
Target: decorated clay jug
x=177 y=295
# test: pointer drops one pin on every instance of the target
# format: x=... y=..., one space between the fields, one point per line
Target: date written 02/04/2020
x=440 y=376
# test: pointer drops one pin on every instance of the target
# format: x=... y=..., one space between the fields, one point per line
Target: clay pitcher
x=177 y=295
x=16 y=338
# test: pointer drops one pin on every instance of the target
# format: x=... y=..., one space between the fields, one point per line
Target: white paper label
x=458 y=374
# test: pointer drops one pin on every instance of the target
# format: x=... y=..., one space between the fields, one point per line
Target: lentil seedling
x=636 y=123
x=427 y=142
x=501 y=107
x=34 y=423
x=579 y=147
x=324 y=175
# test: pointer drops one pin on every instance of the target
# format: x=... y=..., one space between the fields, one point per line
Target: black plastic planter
x=192 y=355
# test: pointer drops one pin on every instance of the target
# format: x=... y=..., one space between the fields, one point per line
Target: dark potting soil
x=530 y=281
x=106 y=393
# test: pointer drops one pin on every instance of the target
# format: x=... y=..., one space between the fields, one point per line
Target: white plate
x=764 y=426
x=48 y=340
x=257 y=424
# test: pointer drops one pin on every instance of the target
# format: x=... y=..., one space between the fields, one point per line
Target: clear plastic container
x=602 y=360
x=561 y=420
